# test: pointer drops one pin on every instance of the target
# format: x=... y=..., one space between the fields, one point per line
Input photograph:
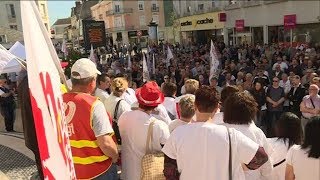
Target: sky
x=59 y=9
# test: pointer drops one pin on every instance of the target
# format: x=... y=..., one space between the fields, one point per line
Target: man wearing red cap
x=133 y=126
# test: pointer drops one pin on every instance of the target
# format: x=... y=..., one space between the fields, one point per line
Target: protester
x=7 y=104
x=115 y=103
x=187 y=110
x=103 y=82
x=275 y=98
x=240 y=110
x=303 y=160
x=259 y=95
x=133 y=126
x=225 y=93
x=287 y=133
x=295 y=96
x=90 y=131
x=310 y=105
x=169 y=90
x=211 y=160
x=29 y=130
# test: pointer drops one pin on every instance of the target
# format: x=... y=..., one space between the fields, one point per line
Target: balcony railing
x=154 y=9
x=120 y=11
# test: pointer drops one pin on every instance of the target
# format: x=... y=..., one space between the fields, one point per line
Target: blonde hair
x=187 y=107
x=119 y=86
x=191 y=85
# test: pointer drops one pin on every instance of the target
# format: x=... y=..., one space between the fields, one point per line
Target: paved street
x=17 y=161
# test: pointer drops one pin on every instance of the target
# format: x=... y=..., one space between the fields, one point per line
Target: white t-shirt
x=176 y=123
x=256 y=135
x=170 y=105
x=161 y=114
x=202 y=151
x=130 y=96
x=218 y=118
x=280 y=150
x=100 y=121
x=304 y=168
x=111 y=102
x=133 y=126
x=101 y=94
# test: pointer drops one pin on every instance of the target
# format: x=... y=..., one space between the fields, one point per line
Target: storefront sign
x=187 y=23
x=205 y=21
x=222 y=17
x=290 y=21
x=240 y=25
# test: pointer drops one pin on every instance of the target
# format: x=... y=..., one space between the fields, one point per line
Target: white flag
x=169 y=56
x=64 y=48
x=214 y=63
x=47 y=104
x=145 y=70
x=129 y=62
x=153 y=65
x=18 y=50
x=92 y=56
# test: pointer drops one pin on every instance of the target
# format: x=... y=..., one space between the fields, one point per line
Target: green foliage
x=72 y=57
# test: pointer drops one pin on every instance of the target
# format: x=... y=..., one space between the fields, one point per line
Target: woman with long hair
x=259 y=95
x=303 y=161
x=287 y=133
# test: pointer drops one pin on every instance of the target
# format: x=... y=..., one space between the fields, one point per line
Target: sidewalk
x=17 y=161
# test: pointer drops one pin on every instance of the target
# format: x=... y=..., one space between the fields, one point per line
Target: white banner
x=46 y=98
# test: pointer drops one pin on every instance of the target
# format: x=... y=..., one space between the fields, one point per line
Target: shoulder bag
x=115 y=126
x=152 y=162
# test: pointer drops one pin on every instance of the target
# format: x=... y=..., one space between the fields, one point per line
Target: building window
x=43 y=7
x=117 y=8
x=15 y=27
x=155 y=18
x=118 y=22
x=140 y=5
x=142 y=20
x=200 y=7
x=10 y=10
x=154 y=7
x=213 y=3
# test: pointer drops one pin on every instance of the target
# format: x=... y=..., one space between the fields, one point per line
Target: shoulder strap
x=116 y=109
x=149 y=136
x=230 y=156
x=312 y=103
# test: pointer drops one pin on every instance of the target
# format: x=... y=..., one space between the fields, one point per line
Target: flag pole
x=19 y=60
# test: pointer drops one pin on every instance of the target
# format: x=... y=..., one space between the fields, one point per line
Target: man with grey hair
x=310 y=105
x=89 y=128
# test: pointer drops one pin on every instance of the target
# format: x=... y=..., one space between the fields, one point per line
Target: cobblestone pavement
x=15 y=165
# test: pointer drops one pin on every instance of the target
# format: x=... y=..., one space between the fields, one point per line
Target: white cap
x=85 y=67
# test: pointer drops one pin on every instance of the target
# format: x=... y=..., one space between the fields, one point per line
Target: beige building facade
x=127 y=21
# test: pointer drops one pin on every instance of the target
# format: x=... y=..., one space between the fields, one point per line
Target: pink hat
x=149 y=94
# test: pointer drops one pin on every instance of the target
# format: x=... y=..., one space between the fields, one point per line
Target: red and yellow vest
x=89 y=160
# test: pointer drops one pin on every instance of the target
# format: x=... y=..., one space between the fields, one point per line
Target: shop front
x=200 y=29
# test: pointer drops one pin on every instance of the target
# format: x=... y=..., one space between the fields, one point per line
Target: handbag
x=115 y=126
x=230 y=156
x=152 y=162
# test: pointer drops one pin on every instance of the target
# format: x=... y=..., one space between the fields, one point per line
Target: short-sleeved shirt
x=304 y=167
x=133 y=127
x=202 y=151
x=100 y=120
x=101 y=94
x=307 y=102
x=110 y=105
x=275 y=94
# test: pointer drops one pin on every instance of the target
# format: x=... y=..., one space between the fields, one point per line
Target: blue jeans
x=111 y=174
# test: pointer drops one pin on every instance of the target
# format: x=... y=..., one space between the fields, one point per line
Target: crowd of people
x=256 y=118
